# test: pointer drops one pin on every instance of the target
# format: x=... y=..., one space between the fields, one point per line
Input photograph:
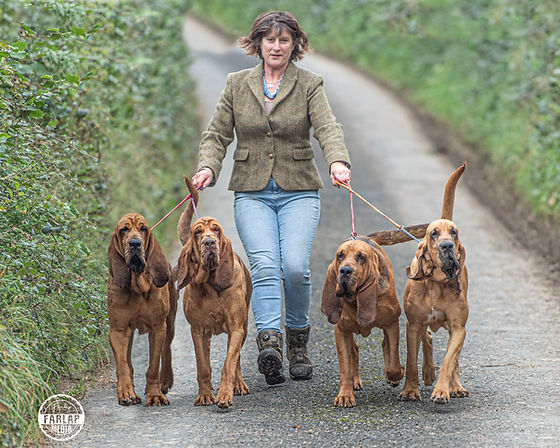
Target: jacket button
x=269 y=134
x=270 y=156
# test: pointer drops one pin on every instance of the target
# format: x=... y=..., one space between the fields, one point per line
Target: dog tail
x=449 y=193
x=390 y=237
x=184 y=226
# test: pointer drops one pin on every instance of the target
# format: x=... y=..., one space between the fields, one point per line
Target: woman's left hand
x=340 y=172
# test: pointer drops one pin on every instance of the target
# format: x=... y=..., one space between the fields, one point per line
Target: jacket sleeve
x=219 y=133
x=325 y=127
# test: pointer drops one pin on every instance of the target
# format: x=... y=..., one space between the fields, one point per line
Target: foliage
x=20 y=373
x=488 y=68
x=95 y=121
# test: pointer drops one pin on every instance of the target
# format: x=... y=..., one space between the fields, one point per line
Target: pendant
x=269 y=85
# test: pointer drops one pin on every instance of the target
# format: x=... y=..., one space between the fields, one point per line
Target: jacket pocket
x=241 y=154
x=303 y=153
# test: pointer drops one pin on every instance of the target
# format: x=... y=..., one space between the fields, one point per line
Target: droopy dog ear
x=223 y=276
x=187 y=265
x=461 y=257
x=117 y=264
x=422 y=265
x=157 y=263
x=366 y=295
x=331 y=304
x=367 y=303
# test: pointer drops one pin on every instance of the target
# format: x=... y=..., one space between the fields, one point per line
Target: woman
x=272 y=108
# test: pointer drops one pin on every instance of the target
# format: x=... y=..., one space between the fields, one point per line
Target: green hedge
x=96 y=120
x=489 y=69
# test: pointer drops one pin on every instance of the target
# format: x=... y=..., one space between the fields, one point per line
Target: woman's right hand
x=203 y=178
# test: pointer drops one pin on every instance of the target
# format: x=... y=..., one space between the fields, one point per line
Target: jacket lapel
x=255 y=83
x=287 y=85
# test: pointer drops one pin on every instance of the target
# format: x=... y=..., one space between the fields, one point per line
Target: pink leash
x=354 y=234
x=176 y=207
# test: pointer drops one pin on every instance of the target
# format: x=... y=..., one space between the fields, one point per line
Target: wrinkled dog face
x=207 y=234
x=443 y=241
x=133 y=235
x=351 y=261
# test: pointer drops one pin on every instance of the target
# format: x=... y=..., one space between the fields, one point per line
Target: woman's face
x=277 y=49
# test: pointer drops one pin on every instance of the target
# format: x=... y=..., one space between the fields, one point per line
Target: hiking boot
x=300 y=364
x=270 y=356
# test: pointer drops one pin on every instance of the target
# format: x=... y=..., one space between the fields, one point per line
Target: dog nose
x=135 y=243
x=446 y=246
x=345 y=270
x=209 y=242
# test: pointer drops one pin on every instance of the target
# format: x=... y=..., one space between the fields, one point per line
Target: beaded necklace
x=266 y=92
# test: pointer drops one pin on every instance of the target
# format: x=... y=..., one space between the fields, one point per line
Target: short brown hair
x=277 y=21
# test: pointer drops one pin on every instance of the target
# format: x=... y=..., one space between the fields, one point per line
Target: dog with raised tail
x=435 y=296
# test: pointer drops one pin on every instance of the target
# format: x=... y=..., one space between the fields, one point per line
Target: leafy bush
x=95 y=121
x=489 y=69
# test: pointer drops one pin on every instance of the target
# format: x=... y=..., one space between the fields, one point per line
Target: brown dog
x=359 y=294
x=436 y=296
x=141 y=295
x=216 y=300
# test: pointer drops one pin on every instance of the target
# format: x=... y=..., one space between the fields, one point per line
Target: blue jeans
x=277 y=228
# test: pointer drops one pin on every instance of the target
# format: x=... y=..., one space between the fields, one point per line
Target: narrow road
x=511 y=359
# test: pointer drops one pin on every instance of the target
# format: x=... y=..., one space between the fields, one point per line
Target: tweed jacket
x=277 y=145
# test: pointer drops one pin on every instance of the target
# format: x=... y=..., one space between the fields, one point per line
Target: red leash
x=175 y=208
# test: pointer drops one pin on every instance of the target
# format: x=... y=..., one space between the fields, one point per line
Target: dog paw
x=240 y=388
x=205 y=399
x=224 y=399
x=429 y=374
x=127 y=396
x=156 y=400
x=131 y=400
x=394 y=378
x=358 y=385
x=458 y=393
x=440 y=396
x=345 y=400
x=166 y=384
x=410 y=395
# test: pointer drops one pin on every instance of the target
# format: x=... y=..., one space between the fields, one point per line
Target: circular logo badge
x=61 y=417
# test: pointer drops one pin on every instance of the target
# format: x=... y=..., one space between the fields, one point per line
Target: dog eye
x=453 y=232
x=435 y=234
x=124 y=230
x=143 y=229
x=361 y=258
x=198 y=232
x=217 y=229
x=340 y=256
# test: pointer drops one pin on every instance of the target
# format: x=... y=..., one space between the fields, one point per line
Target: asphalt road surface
x=511 y=358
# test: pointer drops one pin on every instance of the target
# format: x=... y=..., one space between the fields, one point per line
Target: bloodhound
x=435 y=295
x=141 y=295
x=216 y=300
x=359 y=294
